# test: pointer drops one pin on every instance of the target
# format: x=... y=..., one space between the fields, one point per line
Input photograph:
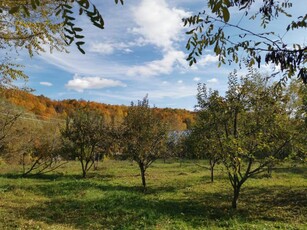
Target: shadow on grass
x=124 y=207
x=127 y=208
x=77 y=187
x=295 y=170
x=56 y=176
x=53 y=176
x=274 y=203
x=121 y=210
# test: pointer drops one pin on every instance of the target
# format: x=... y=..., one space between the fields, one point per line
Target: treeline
x=44 y=108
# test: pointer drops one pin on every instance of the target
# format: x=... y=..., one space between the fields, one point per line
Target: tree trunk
x=23 y=163
x=96 y=161
x=211 y=169
x=270 y=168
x=236 y=193
x=212 y=164
x=83 y=168
x=143 y=176
x=32 y=167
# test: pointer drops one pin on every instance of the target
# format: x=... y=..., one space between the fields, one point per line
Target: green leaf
x=69 y=31
x=78 y=36
x=190 y=32
x=227 y=2
x=33 y=4
x=77 y=29
x=251 y=62
x=69 y=39
x=25 y=9
x=216 y=7
x=84 y=3
x=13 y=10
x=80 y=49
x=68 y=11
x=99 y=25
x=80 y=43
x=70 y=18
x=226 y=14
x=69 y=23
x=58 y=12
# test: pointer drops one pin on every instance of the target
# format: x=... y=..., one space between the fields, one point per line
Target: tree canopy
x=248 y=128
x=144 y=136
x=36 y=25
x=86 y=136
x=232 y=42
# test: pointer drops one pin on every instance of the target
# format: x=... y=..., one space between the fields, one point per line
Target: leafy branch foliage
x=72 y=33
x=86 y=137
x=208 y=126
x=36 y=24
x=247 y=130
x=8 y=118
x=144 y=136
x=44 y=149
x=209 y=30
x=64 y=8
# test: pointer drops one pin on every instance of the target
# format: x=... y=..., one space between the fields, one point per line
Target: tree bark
x=83 y=168
x=212 y=164
x=270 y=168
x=96 y=161
x=83 y=173
x=236 y=193
x=32 y=167
x=143 y=176
x=212 y=173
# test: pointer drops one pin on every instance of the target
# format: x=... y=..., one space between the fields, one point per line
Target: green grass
x=178 y=197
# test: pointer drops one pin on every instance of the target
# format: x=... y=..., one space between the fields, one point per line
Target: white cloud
x=168 y=91
x=180 y=82
x=88 y=64
x=207 y=59
x=161 y=26
x=212 y=80
x=110 y=48
x=158 y=23
x=45 y=83
x=170 y=60
x=155 y=88
x=102 y=48
x=269 y=68
x=79 y=84
x=196 y=79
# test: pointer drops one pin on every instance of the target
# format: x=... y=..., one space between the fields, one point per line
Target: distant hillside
x=45 y=108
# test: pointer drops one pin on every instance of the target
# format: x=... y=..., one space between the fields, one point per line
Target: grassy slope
x=178 y=197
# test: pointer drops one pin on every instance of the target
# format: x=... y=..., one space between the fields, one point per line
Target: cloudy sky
x=141 y=51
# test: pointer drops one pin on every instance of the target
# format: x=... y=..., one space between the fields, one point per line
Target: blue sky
x=141 y=51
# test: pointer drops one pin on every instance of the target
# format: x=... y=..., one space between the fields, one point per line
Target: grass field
x=179 y=196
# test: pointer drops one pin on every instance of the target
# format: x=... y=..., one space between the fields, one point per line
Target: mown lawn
x=179 y=196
